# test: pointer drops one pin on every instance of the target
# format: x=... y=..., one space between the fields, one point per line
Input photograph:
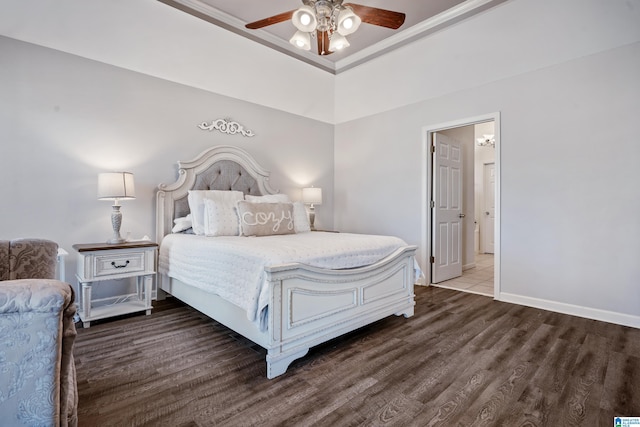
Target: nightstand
x=99 y=262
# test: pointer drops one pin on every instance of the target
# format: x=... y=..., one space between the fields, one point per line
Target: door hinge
x=432 y=204
x=433 y=148
x=432 y=260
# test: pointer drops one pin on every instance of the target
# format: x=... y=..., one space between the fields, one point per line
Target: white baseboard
x=468 y=266
x=574 y=310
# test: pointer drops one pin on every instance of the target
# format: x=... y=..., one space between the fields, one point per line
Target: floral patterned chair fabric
x=37 y=370
x=4 y=259
x=28 y=259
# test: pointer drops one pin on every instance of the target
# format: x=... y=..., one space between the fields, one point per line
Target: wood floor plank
x=622 y=385
x=581 y=396
x=462 y=360
x=498 y=396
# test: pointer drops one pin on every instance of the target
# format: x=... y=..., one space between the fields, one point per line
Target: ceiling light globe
x=348 y=22
x=304 y=19
x=301 y=40
x=338 y=42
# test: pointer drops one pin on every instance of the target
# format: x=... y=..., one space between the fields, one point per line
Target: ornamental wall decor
x=226 y=126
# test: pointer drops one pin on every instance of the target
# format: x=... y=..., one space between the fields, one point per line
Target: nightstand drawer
x=106 y=265
x=97 y=263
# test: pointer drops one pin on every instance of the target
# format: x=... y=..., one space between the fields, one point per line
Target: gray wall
x=64 y=119
x=174 y=46
x=570 y=234
x=563 y=77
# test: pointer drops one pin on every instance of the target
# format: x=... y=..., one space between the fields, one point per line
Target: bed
x=300 y=304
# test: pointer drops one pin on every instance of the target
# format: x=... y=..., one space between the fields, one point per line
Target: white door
x=447 y=209
x=489 y=212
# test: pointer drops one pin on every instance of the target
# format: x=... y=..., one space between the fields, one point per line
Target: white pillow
x=196 y=200
x=300 y=218
x=181 y=224
x=269 y=198
x=220 y=218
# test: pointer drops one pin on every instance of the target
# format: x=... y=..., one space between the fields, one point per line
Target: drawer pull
x=120 y=266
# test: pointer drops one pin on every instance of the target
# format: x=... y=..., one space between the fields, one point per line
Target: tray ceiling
x=423 y=17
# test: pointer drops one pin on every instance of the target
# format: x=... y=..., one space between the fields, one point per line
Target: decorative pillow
x=265 y=219
x=269 y=198
x=196 y=204
x=181 y=224
x=300 y=218
x=220 y=218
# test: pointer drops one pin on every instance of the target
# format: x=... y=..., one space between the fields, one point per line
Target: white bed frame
x=308 y=305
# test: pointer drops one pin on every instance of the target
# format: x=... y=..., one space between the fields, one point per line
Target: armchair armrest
x=34 y=295
x=38 y=385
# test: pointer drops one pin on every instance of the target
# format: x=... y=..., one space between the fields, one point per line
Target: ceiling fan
x=329 y=21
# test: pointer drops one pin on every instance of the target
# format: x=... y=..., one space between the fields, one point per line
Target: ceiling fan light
x=338 y=42
x=301 y=40
x=486 y=140
x=348 y=22
x=305 y=19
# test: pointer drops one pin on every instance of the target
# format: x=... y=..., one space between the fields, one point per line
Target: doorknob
x=461 y=215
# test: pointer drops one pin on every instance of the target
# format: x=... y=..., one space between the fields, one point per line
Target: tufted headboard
x=218 y=168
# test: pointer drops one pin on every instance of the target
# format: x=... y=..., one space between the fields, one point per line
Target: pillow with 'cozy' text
x=265 y=219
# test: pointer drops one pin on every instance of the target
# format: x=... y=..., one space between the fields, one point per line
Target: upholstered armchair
x=37 y=370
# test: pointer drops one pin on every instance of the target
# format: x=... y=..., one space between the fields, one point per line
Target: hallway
x=477 y=280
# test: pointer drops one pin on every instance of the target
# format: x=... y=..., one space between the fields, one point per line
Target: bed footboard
x=310 y=305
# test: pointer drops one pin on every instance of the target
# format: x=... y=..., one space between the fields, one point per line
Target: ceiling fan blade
x=275 y=19
x=380 y=17
x=323 y=43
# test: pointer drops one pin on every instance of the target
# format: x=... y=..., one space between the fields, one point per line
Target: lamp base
x=116 y=241
x=116 y=221
x=312 y=217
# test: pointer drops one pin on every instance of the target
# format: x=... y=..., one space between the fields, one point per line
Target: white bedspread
x=233 y=267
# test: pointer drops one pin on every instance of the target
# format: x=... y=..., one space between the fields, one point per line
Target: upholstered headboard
x=218 y=168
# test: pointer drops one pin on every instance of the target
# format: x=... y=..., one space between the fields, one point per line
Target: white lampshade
x=312 y=195
x=301 y=40
x=305 y=19
x=116 y=186
x=348 y=22
x=338 y=42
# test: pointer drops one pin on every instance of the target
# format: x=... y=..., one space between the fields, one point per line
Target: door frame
x=483 y=223
x=427 y=183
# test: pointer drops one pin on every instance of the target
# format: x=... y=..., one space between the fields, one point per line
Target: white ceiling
x=423 y=17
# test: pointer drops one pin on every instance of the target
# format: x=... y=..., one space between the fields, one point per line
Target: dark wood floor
x=462 y=360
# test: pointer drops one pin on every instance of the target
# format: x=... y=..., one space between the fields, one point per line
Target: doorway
x=480 y=231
